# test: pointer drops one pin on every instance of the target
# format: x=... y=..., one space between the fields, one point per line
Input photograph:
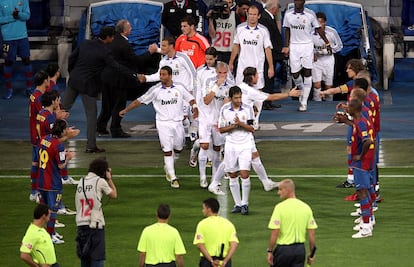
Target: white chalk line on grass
x=196 y=176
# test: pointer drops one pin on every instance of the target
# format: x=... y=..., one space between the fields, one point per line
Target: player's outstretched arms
x=130 y=107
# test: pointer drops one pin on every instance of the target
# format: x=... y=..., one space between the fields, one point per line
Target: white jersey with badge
x=167 y=101
x=253 y=42
x=94 y=187
x=183 y=70
x=225 y=32
x=320 y=46
x=251 y=95
x=212 y=110
x=301 y=25
x=238 y=136
x=203 y=73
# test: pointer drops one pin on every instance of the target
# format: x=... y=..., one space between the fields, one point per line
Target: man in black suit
x=115 y=85
x=86 y=64
x=268 y=19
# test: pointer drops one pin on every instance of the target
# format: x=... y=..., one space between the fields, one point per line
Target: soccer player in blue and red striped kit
x=53 y=159
x=363 y=154
x=41 y=80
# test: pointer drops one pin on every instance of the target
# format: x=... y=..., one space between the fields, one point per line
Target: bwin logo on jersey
x=249 y=42
x=172 y=101
x=297 y=27
x=219 y=98
x=175 y=72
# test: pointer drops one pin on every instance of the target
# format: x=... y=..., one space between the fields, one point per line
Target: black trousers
x=113 y=101
x=205 y=263
x=289 y=255
x=170 y=264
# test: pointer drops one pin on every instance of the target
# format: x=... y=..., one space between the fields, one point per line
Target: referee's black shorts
x=170 y=264
x=289 y=255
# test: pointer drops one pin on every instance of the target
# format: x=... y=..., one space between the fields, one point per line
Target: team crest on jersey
x=304 y=21
x=20 y=3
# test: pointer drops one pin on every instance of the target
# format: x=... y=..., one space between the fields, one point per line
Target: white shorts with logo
x=323 y=69
x=300 y=56
x=237 y=158
x=209 y=133
x=171 y=135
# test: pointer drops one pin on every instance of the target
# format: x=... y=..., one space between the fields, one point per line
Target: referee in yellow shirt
x=215 y=237
x=37 y=247
x=160 y=244
x=290 y=221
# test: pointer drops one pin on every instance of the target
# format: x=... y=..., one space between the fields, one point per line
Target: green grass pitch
x=316 y=167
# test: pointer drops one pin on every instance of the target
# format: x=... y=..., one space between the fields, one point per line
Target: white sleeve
x=149 y=96
x=336 y=42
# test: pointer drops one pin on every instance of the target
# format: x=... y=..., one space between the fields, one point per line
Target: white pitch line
x=270 y=176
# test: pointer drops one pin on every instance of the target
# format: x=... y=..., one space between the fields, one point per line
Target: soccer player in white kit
x=299 y=24
x=214 y=94
x=183 y=70
x=168 y=99
x=250 y=96
x=252 y=44
x=324 y=63
x=236 y=120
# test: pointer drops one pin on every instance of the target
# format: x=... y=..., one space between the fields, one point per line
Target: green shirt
x=293 y=217
x=214 y=231
x=161 y=242
x=39 y=245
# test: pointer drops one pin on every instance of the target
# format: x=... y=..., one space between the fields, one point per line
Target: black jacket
x=124 y=54
x=86 y=64
x=172 y=15
x=275 y=36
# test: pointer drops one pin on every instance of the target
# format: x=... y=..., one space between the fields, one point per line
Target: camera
x=217 y=8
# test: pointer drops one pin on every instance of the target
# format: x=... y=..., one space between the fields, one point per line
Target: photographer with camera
x=222 y=28
x=90 y=242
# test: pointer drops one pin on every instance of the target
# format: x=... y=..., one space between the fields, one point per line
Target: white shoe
x=357 y=227
x=59 y=224
x=175 y=183
x=56 y=234
x=35 y=197
x=167 y=175
x=203 y=183
x=356 y=213
x=270 y=185
x=362 y=233
x=56 y=240
x=66 y=211
x=303 y=108
x=358 y=220
x=69 y=180
x=216 y=190
x=357 y=205
x=192 y=163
